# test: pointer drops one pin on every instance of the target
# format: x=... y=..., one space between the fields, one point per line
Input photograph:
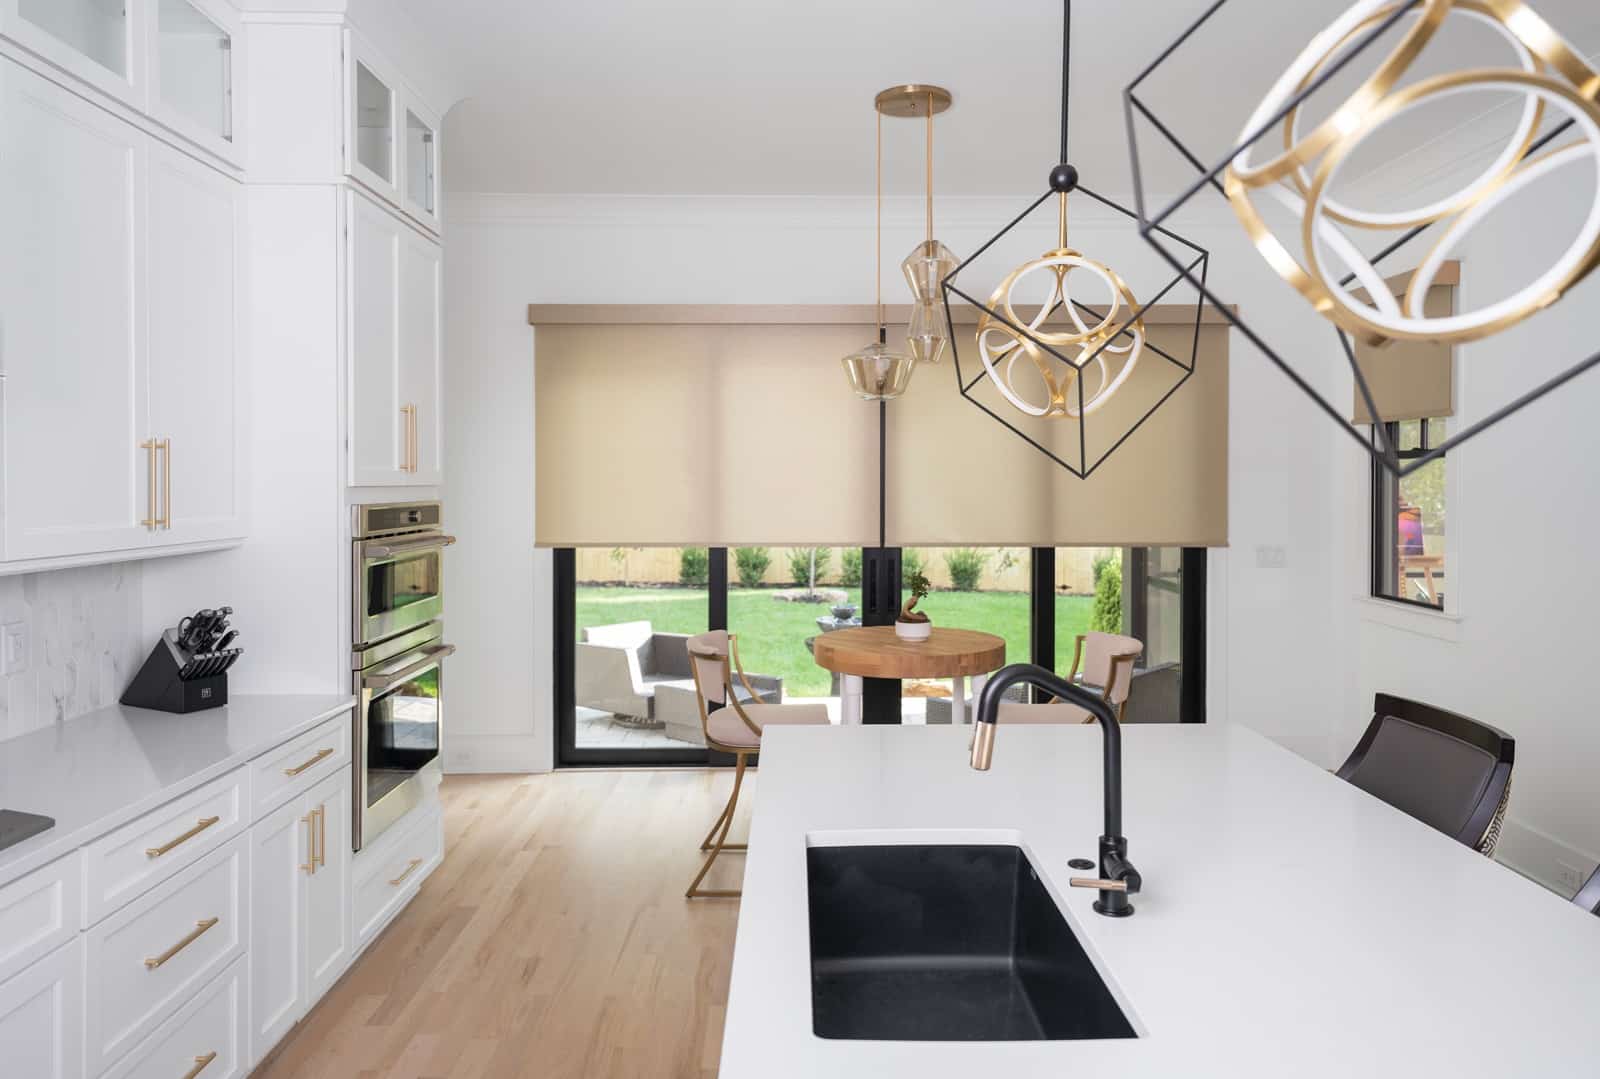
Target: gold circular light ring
x=1516 y=147
x=1354 y=107
x=1548 y=45
x=1573 y=265
x=1001 y=297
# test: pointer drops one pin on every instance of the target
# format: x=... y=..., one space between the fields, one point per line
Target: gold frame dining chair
x=734 y=728
x=1107 y=660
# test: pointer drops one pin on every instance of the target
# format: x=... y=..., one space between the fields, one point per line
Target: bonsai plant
x=914 y=625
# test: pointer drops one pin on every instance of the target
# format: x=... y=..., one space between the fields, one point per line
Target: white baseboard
x=488 y=754
x=1540 y=857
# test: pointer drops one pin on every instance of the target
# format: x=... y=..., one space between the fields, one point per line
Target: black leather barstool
x=1444 y=769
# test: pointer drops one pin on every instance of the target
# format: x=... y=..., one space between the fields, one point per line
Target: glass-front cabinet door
x=421 y=165
x=92 y=39
x=193 y=80
x=372 y=143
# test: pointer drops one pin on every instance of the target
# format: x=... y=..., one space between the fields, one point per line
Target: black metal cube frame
x=1150 y=227
x=1063 y=181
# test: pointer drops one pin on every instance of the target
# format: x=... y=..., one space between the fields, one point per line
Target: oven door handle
x=385 y=680
x=390 y=550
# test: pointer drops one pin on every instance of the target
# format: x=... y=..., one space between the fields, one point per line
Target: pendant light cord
x=1066 y=70
x=930 y=169
x=877 y=264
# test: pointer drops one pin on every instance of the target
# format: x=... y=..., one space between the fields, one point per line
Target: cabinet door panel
x=195 y=226
x=41 y=1017
x=421 y=296
x=327 y=917
x=377 y=428
x=95 y=41
x=71 y=339
x=279 y=852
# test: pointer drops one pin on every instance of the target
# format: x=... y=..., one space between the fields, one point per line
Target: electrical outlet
x=1570 y=876
x=13 y=648
x=1272 y=557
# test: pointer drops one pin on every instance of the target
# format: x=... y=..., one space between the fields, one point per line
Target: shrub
x=800 y=564
x=912 y=564
x=751 y=564
x=966 y=567
x=850 y=576
x=1107 y=615
x=1101 y=561
x=694 y=566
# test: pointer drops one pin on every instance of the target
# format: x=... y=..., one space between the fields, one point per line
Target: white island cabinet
x=1289 y=924
x=195 y=898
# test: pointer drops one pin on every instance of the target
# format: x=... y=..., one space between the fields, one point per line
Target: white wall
x=1276 y=650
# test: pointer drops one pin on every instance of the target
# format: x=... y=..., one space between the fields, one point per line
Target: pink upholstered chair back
x=1098 y=665
x=712 y=673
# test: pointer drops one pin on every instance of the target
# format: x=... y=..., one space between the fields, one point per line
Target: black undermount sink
x=946 y=943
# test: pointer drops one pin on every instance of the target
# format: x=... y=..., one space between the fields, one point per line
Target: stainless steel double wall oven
x=398 y=655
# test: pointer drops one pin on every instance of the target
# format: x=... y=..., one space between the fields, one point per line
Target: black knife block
x=158 y=686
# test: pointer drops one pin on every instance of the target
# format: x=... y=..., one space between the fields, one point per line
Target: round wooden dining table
x=876 y=652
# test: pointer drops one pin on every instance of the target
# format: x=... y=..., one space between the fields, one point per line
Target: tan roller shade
x=1409 y=380
x=713 y=432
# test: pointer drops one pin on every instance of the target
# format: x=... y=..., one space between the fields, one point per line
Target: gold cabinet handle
x=410 y=869
x=199 y=929
x=408 y=414
x=200 y=1064
x=297 y=769
x=199 y=826
x=310 y=864
x=165 y=446
x=322 y=836
x=151 y=521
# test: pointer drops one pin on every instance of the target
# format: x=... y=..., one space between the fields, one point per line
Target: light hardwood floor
x=553 y=941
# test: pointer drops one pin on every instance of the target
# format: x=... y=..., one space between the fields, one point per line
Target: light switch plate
x=13 y=648
x=1272 y=557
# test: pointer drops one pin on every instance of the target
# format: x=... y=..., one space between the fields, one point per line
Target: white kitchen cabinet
x=196 y=225
x=394 y=295
x=194 y=70
x=419 y=155
x=72 y=198
x=372 y=142
x=41 y=1017
x=119 y=298
x=300 y=887
x=98 y=41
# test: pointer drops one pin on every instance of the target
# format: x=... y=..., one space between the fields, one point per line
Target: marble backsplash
x=84 y=641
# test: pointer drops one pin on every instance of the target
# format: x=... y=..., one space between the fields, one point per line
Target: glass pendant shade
x=877 y=374
x=929 y=263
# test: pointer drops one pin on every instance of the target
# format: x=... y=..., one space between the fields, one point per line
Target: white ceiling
x=764 y=98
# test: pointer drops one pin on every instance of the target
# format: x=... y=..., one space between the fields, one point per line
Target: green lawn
x=772 y=633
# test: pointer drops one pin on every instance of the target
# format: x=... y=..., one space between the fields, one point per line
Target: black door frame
x=881 y=566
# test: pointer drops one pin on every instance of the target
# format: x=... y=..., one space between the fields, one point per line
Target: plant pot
x=913 y=631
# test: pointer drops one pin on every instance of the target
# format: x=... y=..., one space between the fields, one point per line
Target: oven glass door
x=401 y=587
x=402 y=731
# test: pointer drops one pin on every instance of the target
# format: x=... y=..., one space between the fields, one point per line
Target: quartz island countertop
x=95 y=772
x=1290 y=924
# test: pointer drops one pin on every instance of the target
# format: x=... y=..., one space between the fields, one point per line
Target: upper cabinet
x=391 y=138
x=194 y=72
x=175 y=61
x=98 y=41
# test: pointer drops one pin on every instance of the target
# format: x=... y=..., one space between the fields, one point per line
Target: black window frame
x=1042 y=638
x=1381 y=546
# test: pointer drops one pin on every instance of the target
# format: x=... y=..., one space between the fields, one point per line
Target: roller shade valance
x=1409 y=380
x=716 y=433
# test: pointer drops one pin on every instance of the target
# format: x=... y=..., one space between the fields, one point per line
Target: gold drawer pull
x=200 y=1064
x=410 y=869
x=201 y=825
x=199 y=928
x=321 y=753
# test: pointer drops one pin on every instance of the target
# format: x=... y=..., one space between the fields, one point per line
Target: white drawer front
x=387 y=880
x=146 y=960
x=38 y=913
x=205 y=1039
x=41 y=1018
x=295 y=767
x=144 y=852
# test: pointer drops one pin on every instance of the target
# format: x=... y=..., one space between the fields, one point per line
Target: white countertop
x=1289 y=924
x=96 y=772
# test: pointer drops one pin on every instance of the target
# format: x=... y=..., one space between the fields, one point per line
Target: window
x=1408 y=519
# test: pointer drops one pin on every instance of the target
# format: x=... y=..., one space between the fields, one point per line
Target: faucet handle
x=1102 y=885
